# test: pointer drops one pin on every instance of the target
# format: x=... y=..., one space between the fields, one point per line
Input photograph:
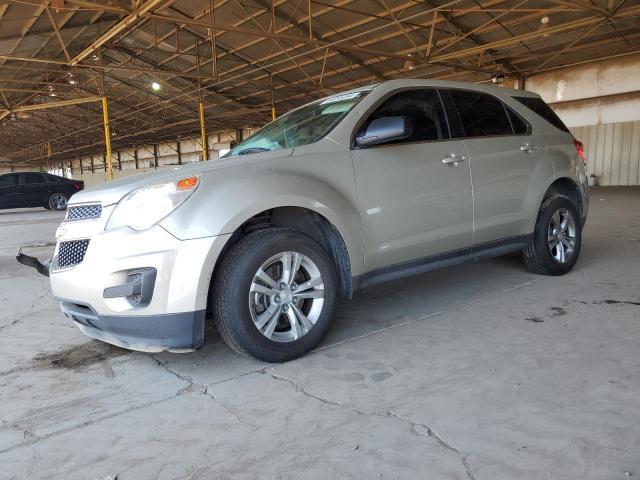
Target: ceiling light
x=410 y=63
x=95 y=57
x=544 y=20
x=155 y=86
x=497 y=78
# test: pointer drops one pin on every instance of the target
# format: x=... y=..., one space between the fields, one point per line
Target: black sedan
x=31 y=189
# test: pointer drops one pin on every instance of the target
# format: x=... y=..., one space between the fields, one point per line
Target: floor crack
x=203 y=389
x=418 y=428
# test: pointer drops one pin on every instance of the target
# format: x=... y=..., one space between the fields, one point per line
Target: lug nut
x=293 y=287
x=285 y=308
x=295 y=299
x=276 y=299
x=282 y=286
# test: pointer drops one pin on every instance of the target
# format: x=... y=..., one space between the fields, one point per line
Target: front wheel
x=274 y=295
x=57 y=202
x=557 y=238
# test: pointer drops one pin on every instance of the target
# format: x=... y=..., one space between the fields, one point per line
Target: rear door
x=412 y=204
x=9 y=190
x=33 y=190
x=505 y=161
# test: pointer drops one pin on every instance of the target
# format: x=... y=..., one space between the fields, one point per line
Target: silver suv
x=355 y=189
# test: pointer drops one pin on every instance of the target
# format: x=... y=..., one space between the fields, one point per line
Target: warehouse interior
x=480 y=371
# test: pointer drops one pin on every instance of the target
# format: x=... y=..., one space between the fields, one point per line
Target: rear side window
x=422 y=107
x=481 y=115
x=538 y=106
x=8 y=180
x=52 y=178
x=29 y=178
x=520 y=126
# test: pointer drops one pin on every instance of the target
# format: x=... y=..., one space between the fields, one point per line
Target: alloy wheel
x=58 y=201
x=561 y=235
x=286 y=296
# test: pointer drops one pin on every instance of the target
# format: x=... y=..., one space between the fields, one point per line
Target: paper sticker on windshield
x=341 y=98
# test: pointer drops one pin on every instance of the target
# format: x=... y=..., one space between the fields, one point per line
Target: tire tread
x=227 y=282
x=532 y=258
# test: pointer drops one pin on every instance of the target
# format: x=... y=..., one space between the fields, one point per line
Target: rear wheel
x=57 y=201
x=557 y=238
x=274 y=295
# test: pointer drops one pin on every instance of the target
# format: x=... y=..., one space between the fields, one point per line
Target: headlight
x=146 y=206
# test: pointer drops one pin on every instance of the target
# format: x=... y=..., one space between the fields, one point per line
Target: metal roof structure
x=156 y=60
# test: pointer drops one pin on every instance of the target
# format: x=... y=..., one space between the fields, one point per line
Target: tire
x=240 y=305
x=57 y=202
x=47 y=207
x=540 y=257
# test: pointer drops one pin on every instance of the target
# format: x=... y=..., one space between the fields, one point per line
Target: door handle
x=527 y=147
x=453 y=159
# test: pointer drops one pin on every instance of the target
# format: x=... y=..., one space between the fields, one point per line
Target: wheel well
x=306 y=221
x=568 y=188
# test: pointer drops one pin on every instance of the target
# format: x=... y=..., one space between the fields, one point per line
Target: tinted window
x=520 y=126
x=8 y=180
x=28 y=178
x=481 y=115
x=538 y=106
x=424 y=110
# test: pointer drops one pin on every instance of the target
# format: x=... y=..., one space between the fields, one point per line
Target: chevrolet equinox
x=345 y=192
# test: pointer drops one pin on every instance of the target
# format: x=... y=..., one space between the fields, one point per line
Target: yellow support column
x=273 y=102
x=203 y=133
x=107 y=139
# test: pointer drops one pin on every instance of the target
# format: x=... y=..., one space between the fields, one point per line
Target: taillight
x=579 y=149
x=78 y=186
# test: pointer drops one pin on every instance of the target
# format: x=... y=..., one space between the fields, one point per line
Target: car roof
x=400 y=83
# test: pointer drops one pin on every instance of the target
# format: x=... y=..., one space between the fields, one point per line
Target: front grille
x=72 y=253
x=83 y=212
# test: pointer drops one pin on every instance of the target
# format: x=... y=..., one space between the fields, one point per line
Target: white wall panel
x=612 y=151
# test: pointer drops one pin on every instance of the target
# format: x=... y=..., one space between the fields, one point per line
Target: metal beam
x=335 y=45
x=58 y=36
x=61 y=103
x=120 y=27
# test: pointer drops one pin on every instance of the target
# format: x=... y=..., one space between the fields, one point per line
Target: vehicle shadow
x=414 y=298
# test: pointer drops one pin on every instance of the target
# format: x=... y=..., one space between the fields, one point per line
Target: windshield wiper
x=253 y=150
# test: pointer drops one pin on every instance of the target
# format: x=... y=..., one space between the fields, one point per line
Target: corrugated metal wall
x=612 y=151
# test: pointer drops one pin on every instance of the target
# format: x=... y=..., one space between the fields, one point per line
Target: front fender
x=221 y=205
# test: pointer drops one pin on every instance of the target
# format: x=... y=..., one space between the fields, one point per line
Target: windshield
x=302 y=126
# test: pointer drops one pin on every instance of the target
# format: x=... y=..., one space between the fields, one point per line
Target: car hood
x=109 y=193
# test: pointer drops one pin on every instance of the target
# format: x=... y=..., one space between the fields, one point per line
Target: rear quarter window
x=537 y=105
x=520 y=126
x=481 y=115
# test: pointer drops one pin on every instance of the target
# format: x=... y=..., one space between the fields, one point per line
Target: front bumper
x=175 y=332
x=173 y=316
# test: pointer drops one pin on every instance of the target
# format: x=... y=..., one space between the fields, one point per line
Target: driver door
x=414 y=201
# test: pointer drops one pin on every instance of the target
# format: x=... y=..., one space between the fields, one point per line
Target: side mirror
x=385 y=129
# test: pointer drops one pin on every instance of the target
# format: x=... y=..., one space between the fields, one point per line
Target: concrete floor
x=481 y=371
